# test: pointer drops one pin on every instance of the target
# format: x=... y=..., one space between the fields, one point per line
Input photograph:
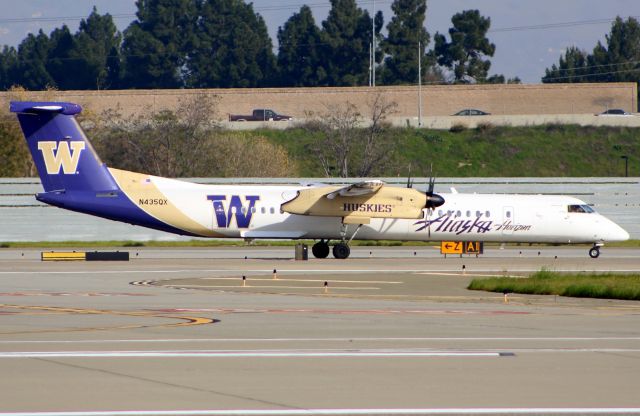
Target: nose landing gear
x=594 y=252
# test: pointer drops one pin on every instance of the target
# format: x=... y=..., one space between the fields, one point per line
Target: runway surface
x=388 y=331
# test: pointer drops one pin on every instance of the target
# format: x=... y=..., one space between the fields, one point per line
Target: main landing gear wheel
x=320 y=250
x=341 y=251
x=594 y=252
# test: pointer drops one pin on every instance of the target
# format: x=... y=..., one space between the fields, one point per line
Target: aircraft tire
x=320 y=250
x=594 y=252
x=341 y=251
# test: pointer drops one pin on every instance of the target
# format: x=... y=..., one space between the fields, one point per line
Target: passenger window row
x=458 y=213
x=263 y=210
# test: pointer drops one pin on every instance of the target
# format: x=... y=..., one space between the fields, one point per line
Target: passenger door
x=508 y=220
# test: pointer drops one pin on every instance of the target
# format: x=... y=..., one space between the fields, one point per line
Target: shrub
x=485 y=127
x=457 y=128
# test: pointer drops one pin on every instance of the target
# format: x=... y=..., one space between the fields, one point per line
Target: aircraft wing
x=357 y=189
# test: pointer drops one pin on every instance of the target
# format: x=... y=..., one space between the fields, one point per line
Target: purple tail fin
x=64 y=157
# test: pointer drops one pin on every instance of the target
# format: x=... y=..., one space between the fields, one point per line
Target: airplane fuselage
x=254 y=211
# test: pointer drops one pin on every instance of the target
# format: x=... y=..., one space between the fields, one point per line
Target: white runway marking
x=265 y=279
x=273 y=287
x=296 y=412
x=239 y=270
x=497 y=352
x=230 y=340
x=250 y=353
x=462 y=274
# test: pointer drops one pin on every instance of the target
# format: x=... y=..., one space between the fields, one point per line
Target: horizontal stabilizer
x=35 y=107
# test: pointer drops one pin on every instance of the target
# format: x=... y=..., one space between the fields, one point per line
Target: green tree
x=31 y=71
x=405 y=30
x=571 y=68
x=8 y=63
x=500 y=79
x=619 y=60
x=232 y=47
x=299 y=60
x=154 y=45
x=62 y=63
x=64 y=60
x=346 y=35
x=466 y=53
x=98 y=43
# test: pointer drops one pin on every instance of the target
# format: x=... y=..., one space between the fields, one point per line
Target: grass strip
x=580 y=285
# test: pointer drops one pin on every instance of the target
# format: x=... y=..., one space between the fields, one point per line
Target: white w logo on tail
x=63 y=157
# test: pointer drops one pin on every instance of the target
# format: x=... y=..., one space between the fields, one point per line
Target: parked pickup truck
x=260 y=114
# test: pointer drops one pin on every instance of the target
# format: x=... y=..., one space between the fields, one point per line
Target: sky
x=523 y=48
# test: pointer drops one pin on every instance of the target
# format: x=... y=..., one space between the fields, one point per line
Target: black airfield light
x=626 y=165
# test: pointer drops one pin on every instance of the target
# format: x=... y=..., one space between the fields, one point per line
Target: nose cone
x=613 y=232
x=619 y=234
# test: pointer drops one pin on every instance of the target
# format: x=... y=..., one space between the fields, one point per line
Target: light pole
x=373 y=45
x=626 y=165
x=419 y=84
x=370 y=64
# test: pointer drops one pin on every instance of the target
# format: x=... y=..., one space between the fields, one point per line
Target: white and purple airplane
x=74 y=178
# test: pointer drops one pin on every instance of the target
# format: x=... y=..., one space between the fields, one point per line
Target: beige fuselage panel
x=388 y=202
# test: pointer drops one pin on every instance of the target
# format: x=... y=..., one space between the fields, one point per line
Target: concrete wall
x=446 y=122
x=441 y=100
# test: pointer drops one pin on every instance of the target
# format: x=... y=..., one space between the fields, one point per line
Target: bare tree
x=339 y=126
x=165 y=143
x=196 y=121
x=378 y=147
x=346 y=143
x=185 y=142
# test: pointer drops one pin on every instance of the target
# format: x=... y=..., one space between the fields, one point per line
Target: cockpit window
x=585 y=209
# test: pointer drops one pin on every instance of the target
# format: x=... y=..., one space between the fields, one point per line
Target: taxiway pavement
x=394 y=331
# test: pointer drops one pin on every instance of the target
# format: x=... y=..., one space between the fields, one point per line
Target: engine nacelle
x=387 y=202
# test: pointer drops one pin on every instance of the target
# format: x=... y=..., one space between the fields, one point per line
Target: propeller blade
x=432 y=181
x=433 y=200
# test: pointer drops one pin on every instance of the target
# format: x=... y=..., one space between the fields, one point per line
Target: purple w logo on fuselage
x=236 y=210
